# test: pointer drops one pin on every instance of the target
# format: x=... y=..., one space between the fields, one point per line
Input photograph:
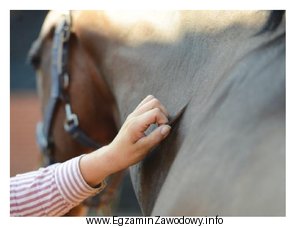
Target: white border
x=128 y=4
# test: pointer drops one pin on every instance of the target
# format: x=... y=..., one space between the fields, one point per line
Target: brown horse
x=91 y=93
x=226 y=153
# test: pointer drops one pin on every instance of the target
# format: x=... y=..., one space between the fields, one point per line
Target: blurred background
x=25 y=109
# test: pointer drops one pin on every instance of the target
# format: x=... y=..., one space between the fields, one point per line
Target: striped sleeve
x=50 y=191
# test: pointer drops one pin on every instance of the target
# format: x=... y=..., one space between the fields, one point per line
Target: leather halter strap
x=59 y=85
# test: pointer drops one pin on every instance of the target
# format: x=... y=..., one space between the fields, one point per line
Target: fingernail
x=165 y=130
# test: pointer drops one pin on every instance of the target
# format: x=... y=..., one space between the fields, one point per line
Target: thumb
x=156 y=136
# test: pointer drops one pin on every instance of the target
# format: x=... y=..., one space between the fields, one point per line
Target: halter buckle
x=71 y=119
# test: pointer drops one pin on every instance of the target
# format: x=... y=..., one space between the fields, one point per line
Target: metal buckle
x=71 y=119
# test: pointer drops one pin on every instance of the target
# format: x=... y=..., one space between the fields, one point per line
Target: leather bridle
x=60 y=82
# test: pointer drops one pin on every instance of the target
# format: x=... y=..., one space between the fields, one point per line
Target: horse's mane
x=274 y=20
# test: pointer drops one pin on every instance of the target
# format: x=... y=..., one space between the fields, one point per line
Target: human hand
x=131 y=144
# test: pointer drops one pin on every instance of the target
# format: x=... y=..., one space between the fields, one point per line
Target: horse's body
x=226 y=154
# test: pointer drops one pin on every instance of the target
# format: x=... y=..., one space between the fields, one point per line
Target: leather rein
x=60 y=82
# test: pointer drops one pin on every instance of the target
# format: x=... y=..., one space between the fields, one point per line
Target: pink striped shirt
x=50 y=191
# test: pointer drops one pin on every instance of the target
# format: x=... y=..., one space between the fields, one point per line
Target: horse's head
x=89 y=97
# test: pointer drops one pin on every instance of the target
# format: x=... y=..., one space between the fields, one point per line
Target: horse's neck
x=192 y=54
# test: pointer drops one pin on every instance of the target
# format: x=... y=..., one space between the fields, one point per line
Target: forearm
x=50 y=191
x=98 y=165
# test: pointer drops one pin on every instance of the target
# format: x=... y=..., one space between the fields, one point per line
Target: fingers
x=155 y=137
x=149 y=111
x=148 y=104
x=154 y=116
